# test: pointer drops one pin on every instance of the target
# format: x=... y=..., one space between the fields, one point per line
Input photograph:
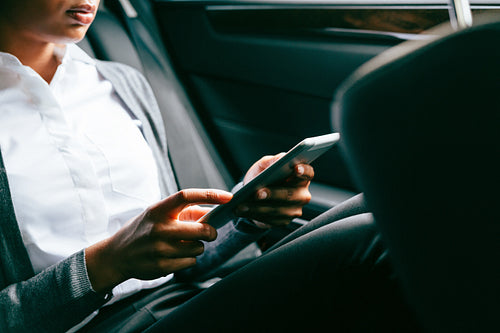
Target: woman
x=92 y=223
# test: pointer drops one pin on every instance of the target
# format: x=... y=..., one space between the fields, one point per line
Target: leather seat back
x=420 y=128
x=108 y=40
x=195 y=159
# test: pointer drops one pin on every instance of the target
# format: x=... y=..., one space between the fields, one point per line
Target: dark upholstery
x=420 y=129
x=195 y=159
x=108 y=40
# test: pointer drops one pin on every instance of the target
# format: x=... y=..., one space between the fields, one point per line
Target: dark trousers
x=332 y=274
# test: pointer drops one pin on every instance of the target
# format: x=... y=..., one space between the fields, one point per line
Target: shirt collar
x=9 y=60
x=76 y=53
x=64 y=53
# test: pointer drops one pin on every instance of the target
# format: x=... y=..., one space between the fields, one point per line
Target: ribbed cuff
x=79 y=280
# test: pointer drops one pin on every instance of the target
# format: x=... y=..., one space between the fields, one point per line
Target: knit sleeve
x=54 y=300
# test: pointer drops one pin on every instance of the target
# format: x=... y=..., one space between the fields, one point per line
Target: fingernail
x=262 y=194
x=300 y=170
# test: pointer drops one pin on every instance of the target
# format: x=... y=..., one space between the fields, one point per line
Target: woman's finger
x=176 y=249
x=193 y=213
x=283 y=195
x=180 y=230
x=172 y=206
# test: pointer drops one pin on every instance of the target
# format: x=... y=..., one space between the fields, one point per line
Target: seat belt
x=193 y=163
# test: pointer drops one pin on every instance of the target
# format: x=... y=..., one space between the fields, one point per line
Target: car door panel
x=262 y=76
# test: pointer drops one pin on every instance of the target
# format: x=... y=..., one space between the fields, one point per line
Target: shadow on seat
x=420 y=129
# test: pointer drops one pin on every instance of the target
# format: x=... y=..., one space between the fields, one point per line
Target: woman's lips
x=83 y=14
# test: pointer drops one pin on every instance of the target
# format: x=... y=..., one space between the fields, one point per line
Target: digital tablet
x=304 y=152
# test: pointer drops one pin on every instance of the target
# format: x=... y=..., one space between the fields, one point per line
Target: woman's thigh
x=337 y=275
x=353 y=206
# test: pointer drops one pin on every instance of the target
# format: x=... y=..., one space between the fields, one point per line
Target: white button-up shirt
x=78 y=167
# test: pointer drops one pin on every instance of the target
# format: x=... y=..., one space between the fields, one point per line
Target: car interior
x=416 y=107
x=430 y=174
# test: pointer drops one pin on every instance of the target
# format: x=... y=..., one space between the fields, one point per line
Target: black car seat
x=420 y=129
x=195 y=160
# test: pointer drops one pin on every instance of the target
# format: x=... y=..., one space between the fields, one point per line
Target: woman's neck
x=32 y=53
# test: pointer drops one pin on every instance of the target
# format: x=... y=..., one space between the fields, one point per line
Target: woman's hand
x=162 y=240
x=278 y=204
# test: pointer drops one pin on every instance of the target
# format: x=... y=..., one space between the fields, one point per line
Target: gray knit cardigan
x=61 y=296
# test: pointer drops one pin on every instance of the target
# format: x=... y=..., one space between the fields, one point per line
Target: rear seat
x=107 y=39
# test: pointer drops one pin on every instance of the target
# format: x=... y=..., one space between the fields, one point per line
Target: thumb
x=193 y=213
